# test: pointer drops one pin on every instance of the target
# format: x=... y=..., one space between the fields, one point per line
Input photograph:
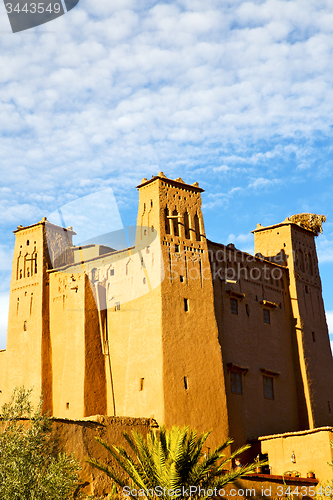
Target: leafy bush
x=29 y=467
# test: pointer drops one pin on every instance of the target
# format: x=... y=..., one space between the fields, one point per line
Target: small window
x=268 y=387
x=176 y=248
x=112 y=272
x=186 y=383
x=236 y=382
x=25 y=326
x=117 y=307
x=148 y=249
x=267 y=316
x=181 y=279
x=142 y=380
x=234 y=306
x=67 y=406
x=313 y=336
x=28 y=242
x=186 y=305
x=151 y=203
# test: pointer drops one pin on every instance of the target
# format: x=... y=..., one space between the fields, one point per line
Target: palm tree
x=171 y=464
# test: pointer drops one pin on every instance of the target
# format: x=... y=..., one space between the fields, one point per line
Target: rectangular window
x=313 y=336
x=267 y=316
x=176 y=248
x=181 y=278
x=234 y=306
x=112 y=272
x=142 y=380
x=186 y=305
x=186 y=383
x=117 y=307
x=236 y=382
x=268 y=387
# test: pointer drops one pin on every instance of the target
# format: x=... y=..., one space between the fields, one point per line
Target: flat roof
x=175 y=182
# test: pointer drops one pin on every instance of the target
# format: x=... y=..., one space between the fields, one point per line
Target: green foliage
x=29 y=469
x=172 y=459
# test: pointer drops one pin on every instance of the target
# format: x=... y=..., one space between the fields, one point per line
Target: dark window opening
x=187 y=225
x=112 y=272
x=234 y=306
x=175 y=223
x=236 y=382
x=142 y=380
x=181 y=278
x=268 y=387
x=186 y=383
x=117 y=307
x=267 y=316
x=25 y=326
x=197 y=227
x=167 y=220
x=186 y=305
x=28 y=242
x=67 y=406
x=313 y=336
x=176 y=248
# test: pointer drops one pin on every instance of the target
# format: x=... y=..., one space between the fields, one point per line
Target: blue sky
x=235 y=95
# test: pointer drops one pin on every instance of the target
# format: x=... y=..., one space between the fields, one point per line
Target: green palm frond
x=173 y=459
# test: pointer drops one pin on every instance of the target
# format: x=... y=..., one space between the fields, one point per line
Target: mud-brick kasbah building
x=179 y=328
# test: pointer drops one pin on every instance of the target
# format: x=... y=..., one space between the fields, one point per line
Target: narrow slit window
x=181 y=279
x=175 y=223
x=313 y=336
x=186 y=383
x=167 y=220
x=142 y=381
x=234 y=306
x=186 y=305
x=267 y=316
x=236 y=382
x=112 y=272
x=67 y=406
x=117 y=306
x=187 y=225
x=268 y=387
x=197 y=227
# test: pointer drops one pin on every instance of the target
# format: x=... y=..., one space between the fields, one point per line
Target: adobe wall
x=251 y=348
x=193 y=380
x=311 y=450
x=312 y=346
x=78 y=436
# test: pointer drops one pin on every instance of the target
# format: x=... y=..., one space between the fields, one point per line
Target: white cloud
x=260 y=182
x=4 y=306
x=324 y=245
